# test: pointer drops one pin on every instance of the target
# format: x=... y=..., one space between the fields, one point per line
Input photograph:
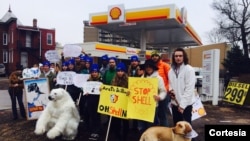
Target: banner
x=141 y=104
x=37 y=92
x=113 y=101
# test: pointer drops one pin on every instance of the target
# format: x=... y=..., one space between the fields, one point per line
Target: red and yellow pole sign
x=236 y=92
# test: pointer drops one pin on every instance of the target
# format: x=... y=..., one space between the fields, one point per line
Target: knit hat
x=150 y=63
x=155 y=53
x=113 y=58
x=134 y=58
x=46 y=63
x=121 y=67
x=82 y=58
x=71 y=61
x=65 y=63
x=105 y=57
x=89 y=59
x=94 y=67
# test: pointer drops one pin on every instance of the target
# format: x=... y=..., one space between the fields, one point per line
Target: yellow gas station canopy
x=161 y=26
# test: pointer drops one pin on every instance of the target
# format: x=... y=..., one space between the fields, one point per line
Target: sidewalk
x=5 y=102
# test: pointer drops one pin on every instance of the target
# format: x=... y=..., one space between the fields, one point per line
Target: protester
x=93 y=118
x=119 y=126
x=181 y=86
x=104 y=64
x=151 y=72
x=16 y=93
x=110 y=73
x=163 y=69
x=47 y=73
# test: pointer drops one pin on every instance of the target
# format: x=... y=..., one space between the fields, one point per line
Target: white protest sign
x=65 y=77
x=52 y=56
x=198 y=109
x=92 y=87
x=31 y=72
x=70 y=50
x=80 y=79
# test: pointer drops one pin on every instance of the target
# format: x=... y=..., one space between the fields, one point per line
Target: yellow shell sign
x=115 y=13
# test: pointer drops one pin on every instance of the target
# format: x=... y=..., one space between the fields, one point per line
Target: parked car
x=2 y=69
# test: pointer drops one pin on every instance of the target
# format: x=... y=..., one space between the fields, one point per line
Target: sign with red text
x=113 y=101
x=141 y=104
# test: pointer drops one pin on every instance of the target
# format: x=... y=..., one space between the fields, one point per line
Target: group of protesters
x=176 y=84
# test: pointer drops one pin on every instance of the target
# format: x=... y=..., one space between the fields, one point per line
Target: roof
x=164 y=25
x=9 y=16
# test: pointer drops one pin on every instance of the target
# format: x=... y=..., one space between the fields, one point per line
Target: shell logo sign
x=116 y=14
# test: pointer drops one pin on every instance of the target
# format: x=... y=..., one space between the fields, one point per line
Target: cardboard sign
x=80 y=79
x=65 y=77
x=52 y=56
x=31 y=72
x=70 y=50
x=92 y=87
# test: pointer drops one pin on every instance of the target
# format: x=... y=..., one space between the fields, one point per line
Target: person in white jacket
x=151 y=72
x=181 y=85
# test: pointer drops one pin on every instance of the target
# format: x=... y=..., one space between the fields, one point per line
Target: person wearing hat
x=88 y=63
x=104 y=63
x=120 y=127
x=151 y=71
x=65 y=66
x=110 y=73
x=134 y=62
x=92 y=118
x=163 y=69
x=47 y=73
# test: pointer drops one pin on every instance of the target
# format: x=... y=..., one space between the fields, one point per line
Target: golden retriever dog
x=177 y=133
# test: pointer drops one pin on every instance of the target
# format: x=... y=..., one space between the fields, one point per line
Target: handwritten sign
x=31 y=72
x=52 y=56
x=65 y=77
x=70 y=50
x=92 y=87
x=113 y=101
x=80 y=79
x=141 y=104
x=236 y=92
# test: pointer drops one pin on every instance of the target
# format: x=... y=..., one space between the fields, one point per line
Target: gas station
x=157 y=27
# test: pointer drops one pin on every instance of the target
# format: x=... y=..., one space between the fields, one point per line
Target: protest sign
x=31 y=72
x=92 y=87
x=52 y=56
x=113 y=101
x=70 y=50
x=36 y=93
x=65 y=77
x=80 y=79
x=141 y=104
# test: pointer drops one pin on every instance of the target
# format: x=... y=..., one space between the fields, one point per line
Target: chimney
x=35 y=23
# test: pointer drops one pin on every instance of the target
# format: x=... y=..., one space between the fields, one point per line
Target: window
x=28 y=39
x=5 y=39
x=49 y=39
x=5 y=56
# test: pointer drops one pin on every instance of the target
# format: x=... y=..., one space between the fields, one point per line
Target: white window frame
x=49 y=39
x=5 y=56
x=5 y=39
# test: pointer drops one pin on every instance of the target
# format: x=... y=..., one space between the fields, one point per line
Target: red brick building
x=23 y=46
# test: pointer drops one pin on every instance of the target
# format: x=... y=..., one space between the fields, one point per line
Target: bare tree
x=215 y=36
x=234 y=21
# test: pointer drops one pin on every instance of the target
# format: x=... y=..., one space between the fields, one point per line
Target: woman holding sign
x=151 y=71
x=92 y=117
x=120 y=127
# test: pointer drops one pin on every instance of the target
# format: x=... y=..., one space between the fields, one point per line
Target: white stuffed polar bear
x=60 y=117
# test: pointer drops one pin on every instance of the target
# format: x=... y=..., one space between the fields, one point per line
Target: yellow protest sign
x=113 y=101
x=236 y=92
x=141 y=104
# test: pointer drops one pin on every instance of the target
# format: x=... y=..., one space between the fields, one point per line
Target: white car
x=2 y=69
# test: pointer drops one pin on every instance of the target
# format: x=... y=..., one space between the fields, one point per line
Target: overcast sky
x=67 y=16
